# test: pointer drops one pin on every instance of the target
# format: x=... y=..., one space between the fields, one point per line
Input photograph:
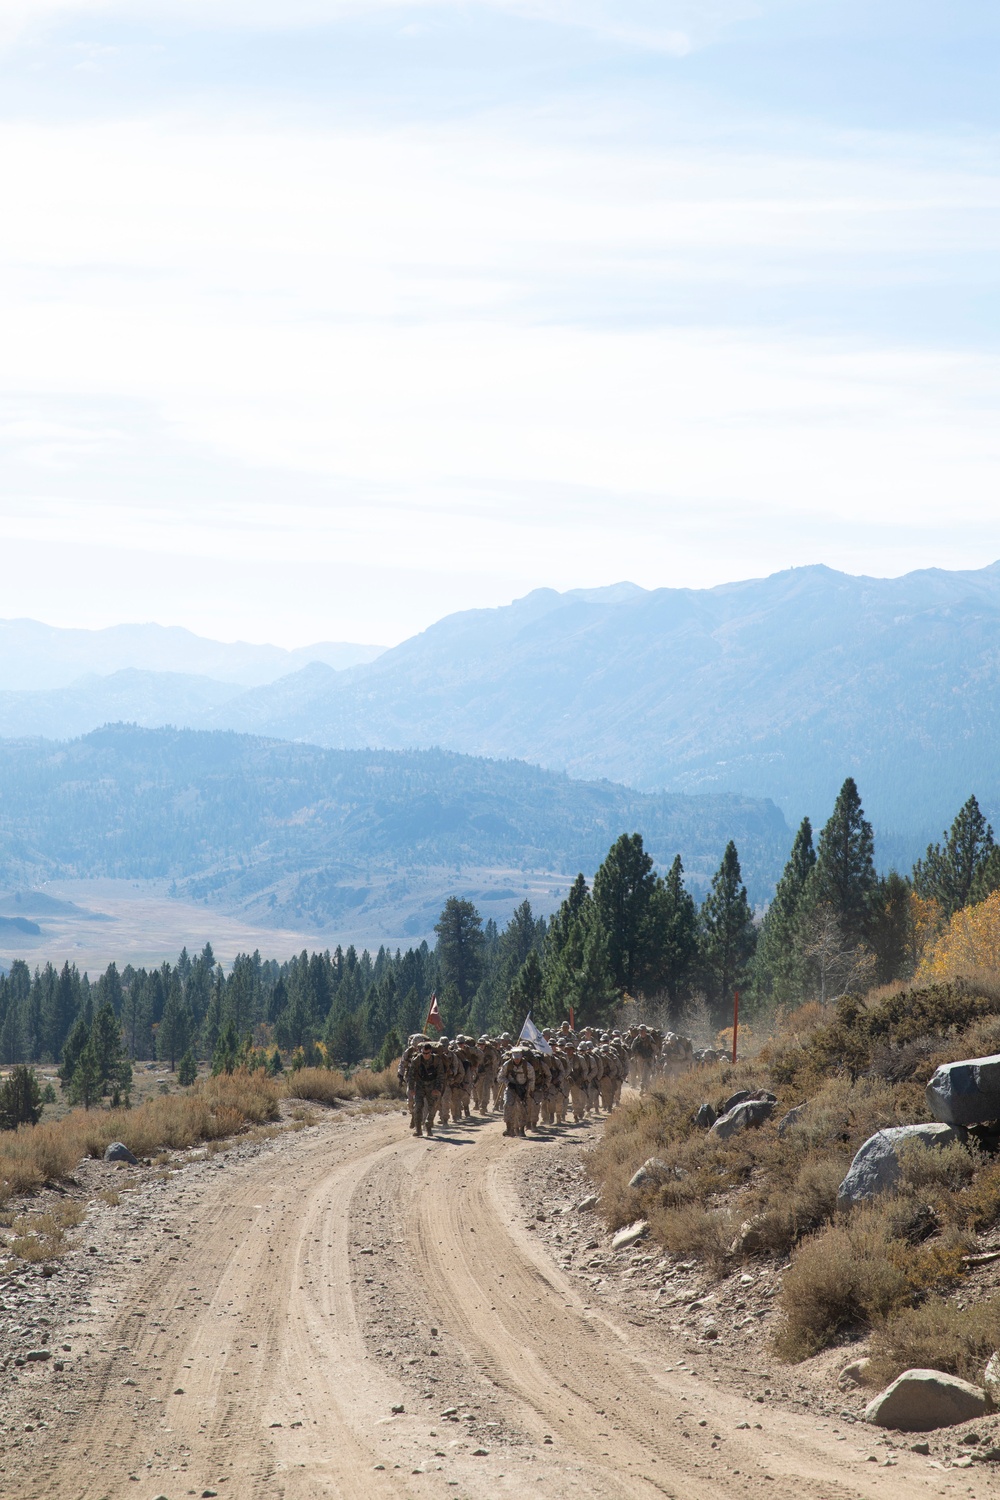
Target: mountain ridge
x=773 y=687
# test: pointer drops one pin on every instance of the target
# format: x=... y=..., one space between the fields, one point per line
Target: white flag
x=531 y=1034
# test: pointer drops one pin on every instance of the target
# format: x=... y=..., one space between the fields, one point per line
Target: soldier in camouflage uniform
x=518 y=1078
x=425 y=1077
x=411 y=1051
x=482 y=1089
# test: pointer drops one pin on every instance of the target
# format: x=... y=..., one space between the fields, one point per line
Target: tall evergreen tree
x=890 y=929
x=112 y=1060
x=176 y=1027
x=20 y=1099
x=623 y=895
x=576 y=971
x=525 y=994
x=778 y=971
x=728 y=935
x=460 y=947
x=844 y=876
x=673 y=935
x=73 y=1050
x=950 y=871
x=65 y=1003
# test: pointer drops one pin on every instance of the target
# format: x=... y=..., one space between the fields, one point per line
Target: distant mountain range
x=775 y=688
x=299 y=835
x=36 y=657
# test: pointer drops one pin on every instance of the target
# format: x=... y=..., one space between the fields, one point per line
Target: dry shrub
x=321 y=1085
x=936 y=1336
x=377 y=1085
x=42 y=1236
x=924 y=1169
x=809 y=1204
x=329 y=1085
x=979 y=1205
x=36 y=1155
x=856 y=1274
x=887 y=1024
x=693 y=1230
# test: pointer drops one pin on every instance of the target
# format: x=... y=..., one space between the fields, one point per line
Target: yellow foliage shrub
x=969 y=941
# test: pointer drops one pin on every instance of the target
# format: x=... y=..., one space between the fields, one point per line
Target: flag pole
x=736 y=1019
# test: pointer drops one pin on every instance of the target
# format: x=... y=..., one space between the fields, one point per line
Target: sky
x=322 y=319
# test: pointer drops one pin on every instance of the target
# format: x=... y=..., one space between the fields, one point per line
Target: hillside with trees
x=297 y=832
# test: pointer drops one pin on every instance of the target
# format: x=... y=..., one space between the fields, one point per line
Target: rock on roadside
x=991 y=1380
x=875 y=1169
x=747 y=1116
x=629 y=1234
x=966 y=1093
x=788 y=1122
x=652 y=1170
x=118 y=1151
x=921 y=1400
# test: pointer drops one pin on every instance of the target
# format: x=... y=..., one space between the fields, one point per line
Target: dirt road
x=288 y=1302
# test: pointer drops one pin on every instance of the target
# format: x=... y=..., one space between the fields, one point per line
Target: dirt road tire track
x=254 y=1318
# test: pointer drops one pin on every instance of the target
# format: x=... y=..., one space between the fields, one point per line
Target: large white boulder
x=920 y=1400
x=875 y=1169
x=966 y=1093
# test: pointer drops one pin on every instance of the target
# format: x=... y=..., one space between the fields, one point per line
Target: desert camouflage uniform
x=425 y=1076
x=519 y=1082
x=486 y=1074
x=644 y=1056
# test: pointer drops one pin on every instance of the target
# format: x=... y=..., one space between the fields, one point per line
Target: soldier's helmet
x=643 y=1028
x=427 y=1047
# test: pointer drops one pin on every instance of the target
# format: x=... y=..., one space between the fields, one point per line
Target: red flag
x=434 y=1016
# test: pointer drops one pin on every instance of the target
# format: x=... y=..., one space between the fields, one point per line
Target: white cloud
x=670 y=26
x=405 y=349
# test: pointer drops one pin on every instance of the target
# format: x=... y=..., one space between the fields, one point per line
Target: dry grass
x=330 y=1086
x=42 y=1236
x=857 y=1274
x=857 y=1067
x=218 y=1108
x=936 y=1336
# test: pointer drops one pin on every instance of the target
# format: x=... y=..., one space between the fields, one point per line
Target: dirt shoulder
x=348 y=1311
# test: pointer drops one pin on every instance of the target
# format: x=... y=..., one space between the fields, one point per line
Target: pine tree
x=173 y=1036
x=226 y=1048
x=728 y=935
x=987 y=878
x=460 y=947
x=525 y=994
x=778 y=966
x=890 y=930
x=844 y=876
x=62 y=1014
x=20 y=1099
x=187 y=1072
x=86 y=1085
x=673 y=935
x=623 y=894
x=114 y=1068
x=576 y=970
x=73 y=1050
x=950 y=872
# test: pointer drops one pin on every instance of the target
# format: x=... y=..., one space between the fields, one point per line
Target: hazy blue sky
x=324 y=319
